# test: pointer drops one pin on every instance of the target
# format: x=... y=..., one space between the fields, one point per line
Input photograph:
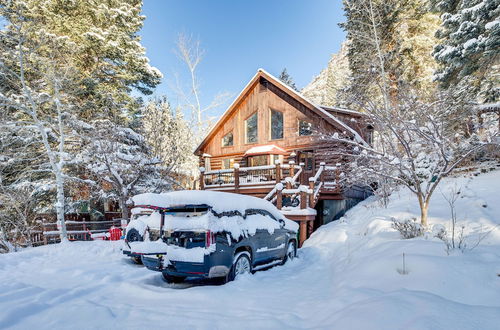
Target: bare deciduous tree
x=191 y=54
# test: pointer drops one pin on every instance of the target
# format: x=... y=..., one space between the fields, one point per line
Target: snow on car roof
x=219 y=201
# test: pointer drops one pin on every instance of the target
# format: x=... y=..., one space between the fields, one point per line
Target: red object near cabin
x=115 y=233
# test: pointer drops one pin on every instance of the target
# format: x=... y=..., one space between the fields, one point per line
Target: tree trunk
x=60 y=205
x=424 y=207
x=123 y=207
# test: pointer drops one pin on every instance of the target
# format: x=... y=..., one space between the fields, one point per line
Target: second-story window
x=276 y=125
x=227 y=140
x=305 y=128
x=251 y=128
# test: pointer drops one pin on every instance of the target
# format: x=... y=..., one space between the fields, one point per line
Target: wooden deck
x=287 y=186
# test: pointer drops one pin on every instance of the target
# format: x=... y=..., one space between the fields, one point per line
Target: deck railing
x=287 y=183
x=76 y=230
x=248 y=176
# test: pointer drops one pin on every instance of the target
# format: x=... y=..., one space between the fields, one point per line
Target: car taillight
x=209 y=238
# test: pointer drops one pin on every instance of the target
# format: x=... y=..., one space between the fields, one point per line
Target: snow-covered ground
x=346 y=278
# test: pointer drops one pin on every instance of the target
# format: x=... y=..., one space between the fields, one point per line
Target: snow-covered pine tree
x=469 y=48
x=107 y=52
x=326 y=87
x=171 y=139
x=417 y=140
x=38 y=99
x=399 y=34
x=122 y=163
x=287 y=79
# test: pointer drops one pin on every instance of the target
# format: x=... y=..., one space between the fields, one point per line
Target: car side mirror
x=282 y=223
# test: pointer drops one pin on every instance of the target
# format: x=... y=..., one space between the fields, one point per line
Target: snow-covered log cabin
x=268 y=144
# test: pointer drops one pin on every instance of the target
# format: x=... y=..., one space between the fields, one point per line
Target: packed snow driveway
x=346 y=277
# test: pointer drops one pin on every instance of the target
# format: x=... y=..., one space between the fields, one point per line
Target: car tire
x=173 y=279
x=134 y=236
x=242 y=264
x=291 y=252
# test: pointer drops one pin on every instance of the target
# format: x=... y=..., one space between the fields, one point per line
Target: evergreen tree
x=106 y=49
x=325 y=89
x=389 y=45
x=170 y=137
x=469 y=49
x=287 y=79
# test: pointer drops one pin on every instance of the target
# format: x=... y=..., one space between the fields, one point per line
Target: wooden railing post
x=278 y=171
x=302 y=174
x=311 y=192
x=302 y=232
x=322 y=175
x=303 y=197
x=236 y=178
x=292 y=168
x=279 y=196
x=202 y=178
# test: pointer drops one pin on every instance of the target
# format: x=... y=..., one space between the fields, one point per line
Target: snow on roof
x=266 y=149
x=342 y=110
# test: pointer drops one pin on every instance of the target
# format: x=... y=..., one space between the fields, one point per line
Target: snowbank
x=346 y=277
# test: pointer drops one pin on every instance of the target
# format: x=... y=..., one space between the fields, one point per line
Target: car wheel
x=173 y=279
x=133 y=235
x=291 y=252
x=242 y=265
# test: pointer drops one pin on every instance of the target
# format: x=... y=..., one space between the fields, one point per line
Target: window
x=276 y=125
x=251 y=128
x=305 y=128
x=227 y=140
x=227 y=163
x=258 y=160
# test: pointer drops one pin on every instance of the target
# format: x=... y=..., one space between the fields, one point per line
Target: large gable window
x=305 y=128
x=251 y=128
x=227 y=140
x=276 y=125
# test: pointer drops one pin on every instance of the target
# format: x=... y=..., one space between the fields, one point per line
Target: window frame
x=256 y=113
x=298 y=127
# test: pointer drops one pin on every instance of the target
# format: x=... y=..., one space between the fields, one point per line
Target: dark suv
x=265 y=239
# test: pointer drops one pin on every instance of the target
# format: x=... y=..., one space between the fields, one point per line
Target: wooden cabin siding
x=262 y=98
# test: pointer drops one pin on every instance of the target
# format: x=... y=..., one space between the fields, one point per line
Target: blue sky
x=241 y=36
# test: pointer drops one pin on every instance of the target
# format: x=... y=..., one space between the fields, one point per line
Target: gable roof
x=261 y=73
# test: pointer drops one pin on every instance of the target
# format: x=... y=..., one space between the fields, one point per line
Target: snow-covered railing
x=76 y=230
x=318 y=173
x=253 y=175
x=289 y=177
